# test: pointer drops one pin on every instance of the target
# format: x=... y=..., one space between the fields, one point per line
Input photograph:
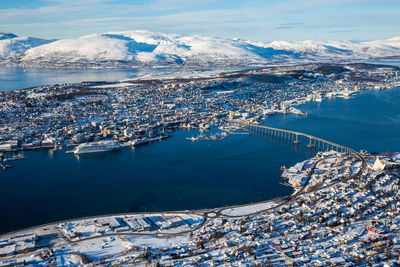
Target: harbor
x=175 y=141
x=139 y=112
x=187 y=170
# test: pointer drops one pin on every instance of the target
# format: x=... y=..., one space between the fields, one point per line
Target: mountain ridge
x=12 y=45
x=145 y=48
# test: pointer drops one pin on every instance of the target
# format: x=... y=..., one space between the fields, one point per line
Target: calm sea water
x=369 y=121
x=13 y=78
x=19 y=78
x=177 y=174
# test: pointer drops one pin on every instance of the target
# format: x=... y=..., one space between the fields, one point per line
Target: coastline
x=289 y=198
x=264 y=121
x=208 y=216
x=328 y=173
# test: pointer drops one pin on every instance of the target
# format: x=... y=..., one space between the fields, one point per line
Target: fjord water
x=369 y=121
x=177 y=174
x=14 y=78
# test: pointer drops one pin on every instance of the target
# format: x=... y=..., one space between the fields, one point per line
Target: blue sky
x=258 y=20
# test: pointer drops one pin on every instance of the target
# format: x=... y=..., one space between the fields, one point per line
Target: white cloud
x=253 y=19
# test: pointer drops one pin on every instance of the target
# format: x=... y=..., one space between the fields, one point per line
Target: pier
x=293 y=137
x=5 y=167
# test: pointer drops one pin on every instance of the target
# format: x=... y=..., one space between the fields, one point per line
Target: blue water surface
x=177 y=174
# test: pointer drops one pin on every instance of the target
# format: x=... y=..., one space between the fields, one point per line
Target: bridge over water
x=293 y=136
x=210 y=215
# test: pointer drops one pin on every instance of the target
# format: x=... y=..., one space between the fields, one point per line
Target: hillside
x=144 y=48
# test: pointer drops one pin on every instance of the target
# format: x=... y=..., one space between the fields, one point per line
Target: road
x=208 y=215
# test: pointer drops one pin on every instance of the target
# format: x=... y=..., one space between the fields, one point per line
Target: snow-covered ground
x=112 y=85
x=249 y=209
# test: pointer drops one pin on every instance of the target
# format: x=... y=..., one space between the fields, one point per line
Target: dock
x=5 y=167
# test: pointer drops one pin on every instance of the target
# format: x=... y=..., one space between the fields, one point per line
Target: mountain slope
x=12 y=45
x=7 y=35
x=145 y=48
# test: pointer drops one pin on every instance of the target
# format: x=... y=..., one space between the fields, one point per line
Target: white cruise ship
x=96 y=147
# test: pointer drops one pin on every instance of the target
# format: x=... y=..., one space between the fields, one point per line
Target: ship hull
x=94 y=151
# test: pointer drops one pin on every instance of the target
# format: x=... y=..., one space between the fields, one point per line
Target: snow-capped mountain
x=7 y=35
x=346 y=50
x=138 y=48
x=148 y=48
x=11 y=45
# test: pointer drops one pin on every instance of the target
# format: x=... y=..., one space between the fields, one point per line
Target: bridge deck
x=252 y=127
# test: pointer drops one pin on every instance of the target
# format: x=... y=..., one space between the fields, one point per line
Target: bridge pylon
x=296 y=141
x=310 y=144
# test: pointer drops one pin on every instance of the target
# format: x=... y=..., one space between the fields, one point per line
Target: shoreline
x=209 y=222
x=208 y=216
x=289 y=197
x=263 y=121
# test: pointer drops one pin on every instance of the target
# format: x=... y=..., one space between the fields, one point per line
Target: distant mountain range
x=145 y=48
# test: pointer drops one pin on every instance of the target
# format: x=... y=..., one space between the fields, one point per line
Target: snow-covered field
x=248 y=209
